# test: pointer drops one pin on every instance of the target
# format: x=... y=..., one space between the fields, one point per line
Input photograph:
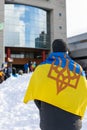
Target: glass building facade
x=26 y=26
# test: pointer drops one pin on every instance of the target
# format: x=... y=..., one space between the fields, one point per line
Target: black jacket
x=54 y=118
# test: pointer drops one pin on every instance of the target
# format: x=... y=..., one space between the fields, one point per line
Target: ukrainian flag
x=61 y=82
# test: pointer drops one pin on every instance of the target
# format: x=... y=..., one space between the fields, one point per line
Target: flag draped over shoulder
x=61 y=82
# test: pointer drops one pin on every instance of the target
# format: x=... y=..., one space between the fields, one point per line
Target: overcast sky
x=76 y=12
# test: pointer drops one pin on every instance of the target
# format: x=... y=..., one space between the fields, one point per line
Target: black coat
x=54 y=118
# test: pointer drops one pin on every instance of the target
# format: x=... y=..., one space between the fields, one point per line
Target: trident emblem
x=63 y=77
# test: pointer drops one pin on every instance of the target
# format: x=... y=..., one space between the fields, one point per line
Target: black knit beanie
x=59 y=45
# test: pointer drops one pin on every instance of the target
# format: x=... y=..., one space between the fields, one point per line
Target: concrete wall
x=2 y=54
x=78 y=48
x=78 y=42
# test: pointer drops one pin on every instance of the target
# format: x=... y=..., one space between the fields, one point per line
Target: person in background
x=58 y=87
x=8 y=70
x=26 y=68
x=30 y=66
x=33 y=66
x=2 y=76
x=20 y=72
x=14 y=73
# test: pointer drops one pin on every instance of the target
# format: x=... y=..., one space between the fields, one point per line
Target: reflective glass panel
x=25 y=26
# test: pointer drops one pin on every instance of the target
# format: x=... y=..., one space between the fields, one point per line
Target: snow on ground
x=14 y=114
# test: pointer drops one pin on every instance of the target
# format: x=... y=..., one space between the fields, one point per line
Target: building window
x=25 y=26
x=60 y=14
x=60 y=27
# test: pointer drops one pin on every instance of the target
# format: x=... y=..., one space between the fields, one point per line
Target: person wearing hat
x=58 y=87
x=2 y=76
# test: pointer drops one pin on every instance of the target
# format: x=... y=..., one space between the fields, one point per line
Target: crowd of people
x=7 y=70
x=29 y=66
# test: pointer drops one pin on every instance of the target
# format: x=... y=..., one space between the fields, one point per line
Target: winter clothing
x=14 y=72
x=26 y=67
x=59 y=46
x=46 y=84
x=54 y=118
x=2 y=76
x=59 y=88
x=8 y=72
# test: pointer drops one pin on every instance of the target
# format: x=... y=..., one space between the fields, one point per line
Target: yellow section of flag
x=59 y=87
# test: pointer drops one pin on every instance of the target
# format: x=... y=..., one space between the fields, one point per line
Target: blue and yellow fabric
x=61 y=82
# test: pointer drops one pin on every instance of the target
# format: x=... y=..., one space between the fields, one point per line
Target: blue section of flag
x=63 y=56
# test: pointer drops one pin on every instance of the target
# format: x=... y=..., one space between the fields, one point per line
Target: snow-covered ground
x=14 y=114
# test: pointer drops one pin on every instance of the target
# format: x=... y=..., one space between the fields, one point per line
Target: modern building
x=78 y=47
x=28 y=27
